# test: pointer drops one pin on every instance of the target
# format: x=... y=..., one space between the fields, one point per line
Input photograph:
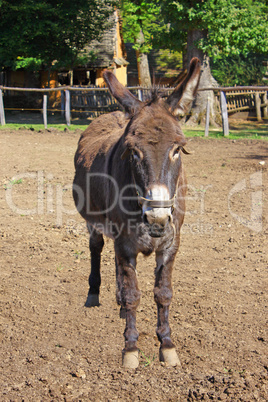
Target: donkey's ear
x=181 y=98
x=129 y=102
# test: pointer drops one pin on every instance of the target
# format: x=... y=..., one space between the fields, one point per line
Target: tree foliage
x=141 y=16
x=239 y=70
x=48 y=31
x=230 y=27
x=168 y=62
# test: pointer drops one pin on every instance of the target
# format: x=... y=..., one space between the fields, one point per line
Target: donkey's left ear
x=181 y=98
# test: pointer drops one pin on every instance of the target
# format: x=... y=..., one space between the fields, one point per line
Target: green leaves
x=232 y=26
x=239 y=70
x=48 y=31
x=142 y=16
x=28 y=63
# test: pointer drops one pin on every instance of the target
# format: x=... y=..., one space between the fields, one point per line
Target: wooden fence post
x=265 y=105
x=62 y=102
x=224 y=114
x=140 y=94
x=45 y=110
x=2 y=110
x=258 y=106
x=207 y=119
x=67 y=107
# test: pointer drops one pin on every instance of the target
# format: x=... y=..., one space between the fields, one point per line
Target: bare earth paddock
x=55 y=349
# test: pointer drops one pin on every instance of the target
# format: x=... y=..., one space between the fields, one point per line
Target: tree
x=49 y=32
x=214 y=28
x=240 y=70
x=140 y=24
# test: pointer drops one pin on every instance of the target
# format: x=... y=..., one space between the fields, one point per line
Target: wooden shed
x=109 y=52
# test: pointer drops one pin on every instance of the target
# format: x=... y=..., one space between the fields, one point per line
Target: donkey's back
x=100 y=136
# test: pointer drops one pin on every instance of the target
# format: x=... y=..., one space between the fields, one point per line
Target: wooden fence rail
x=98 y=100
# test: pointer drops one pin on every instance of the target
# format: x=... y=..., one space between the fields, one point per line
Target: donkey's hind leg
x=96 y=244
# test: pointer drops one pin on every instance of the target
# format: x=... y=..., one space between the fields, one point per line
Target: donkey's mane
x=156 y=93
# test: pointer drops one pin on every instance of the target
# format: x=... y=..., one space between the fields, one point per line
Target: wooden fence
x=99 y=100
x=95 y=101
x=247 y=99
x=91 y=101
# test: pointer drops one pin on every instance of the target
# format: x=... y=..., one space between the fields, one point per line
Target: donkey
x=130 y=186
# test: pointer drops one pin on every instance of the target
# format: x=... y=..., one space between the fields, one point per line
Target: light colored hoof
x=130 y=360
x=169 y=356
x=92 y=300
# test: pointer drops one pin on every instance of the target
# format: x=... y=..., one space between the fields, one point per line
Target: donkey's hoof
x=169 y=356
x=130 y=360
x=123 y=313
x=92 y=300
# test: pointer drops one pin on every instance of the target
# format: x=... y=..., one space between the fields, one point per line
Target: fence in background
x=95 y=101
x=236 y=99
x=90 y=101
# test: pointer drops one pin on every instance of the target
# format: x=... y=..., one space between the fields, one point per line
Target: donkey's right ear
x=129 y=102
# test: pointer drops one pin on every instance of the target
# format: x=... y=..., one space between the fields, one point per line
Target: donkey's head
x=153 y=142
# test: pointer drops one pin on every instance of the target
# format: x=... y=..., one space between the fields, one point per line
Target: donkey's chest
x=144 y=243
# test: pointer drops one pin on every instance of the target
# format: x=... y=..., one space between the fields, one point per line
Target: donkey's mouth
x=156 y=230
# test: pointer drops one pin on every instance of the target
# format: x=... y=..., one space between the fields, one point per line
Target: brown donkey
x=130 y=185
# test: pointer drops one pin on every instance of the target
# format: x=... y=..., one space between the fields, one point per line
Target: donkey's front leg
x=163 y=296
x=128 y=296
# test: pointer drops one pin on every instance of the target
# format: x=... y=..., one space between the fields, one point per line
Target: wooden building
x=108 y=53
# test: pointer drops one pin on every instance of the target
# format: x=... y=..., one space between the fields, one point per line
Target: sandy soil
x=55 y=349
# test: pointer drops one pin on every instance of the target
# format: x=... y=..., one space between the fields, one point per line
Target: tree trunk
x=48 y=77
x=198 y=112
x=71 y=75
x=143 y=64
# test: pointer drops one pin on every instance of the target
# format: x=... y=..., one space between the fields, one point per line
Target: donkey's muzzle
x=156 y=230
x=156 y=224
x=157 y=209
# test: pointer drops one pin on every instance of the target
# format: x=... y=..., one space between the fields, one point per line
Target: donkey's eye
x=137 y=154
x=176 y=153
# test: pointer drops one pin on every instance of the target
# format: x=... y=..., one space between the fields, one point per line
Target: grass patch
x=38 y=127
x=242 y=132
x=12 y=183
x=260 y=133
x=147 y=360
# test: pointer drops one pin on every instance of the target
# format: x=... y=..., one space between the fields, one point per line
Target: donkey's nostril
x=156 y=223
x=145 y=219
x=153 y=217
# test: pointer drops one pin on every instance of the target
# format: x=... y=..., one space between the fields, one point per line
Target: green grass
x=11 y=183
x=147 y=360
x=243 y=132
x=37 y=127
x=234 y=134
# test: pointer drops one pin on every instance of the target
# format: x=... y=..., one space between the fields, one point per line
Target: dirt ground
x=55 y=349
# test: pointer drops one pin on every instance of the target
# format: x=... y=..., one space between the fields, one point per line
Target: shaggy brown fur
x=123 y=158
